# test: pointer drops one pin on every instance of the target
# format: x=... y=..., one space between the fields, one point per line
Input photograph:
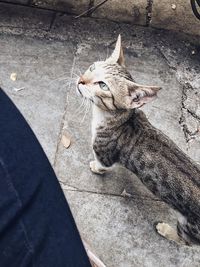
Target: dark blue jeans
x=36 y=225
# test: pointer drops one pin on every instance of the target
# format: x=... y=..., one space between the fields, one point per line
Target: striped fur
x=122 y=134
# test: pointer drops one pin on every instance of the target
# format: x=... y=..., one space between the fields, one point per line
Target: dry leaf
x=13 y=76
x=66 y=140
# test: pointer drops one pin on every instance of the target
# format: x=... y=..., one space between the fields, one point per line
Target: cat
x=122 y=134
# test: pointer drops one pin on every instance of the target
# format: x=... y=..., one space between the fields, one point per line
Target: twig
x=18 y=89
x=91 y=10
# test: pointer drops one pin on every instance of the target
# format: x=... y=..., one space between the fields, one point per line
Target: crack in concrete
x=133 y=197
x=193 y=114
x=182 y=121
x=64 y=112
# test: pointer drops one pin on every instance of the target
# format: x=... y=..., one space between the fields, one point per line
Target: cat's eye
x=103 y=86
x=92 y=67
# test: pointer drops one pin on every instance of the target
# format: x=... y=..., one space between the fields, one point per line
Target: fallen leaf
x=13 y=76
x=66 y=140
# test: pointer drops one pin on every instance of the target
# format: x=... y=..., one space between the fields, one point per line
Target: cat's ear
x=117 y=55
x=138 y=95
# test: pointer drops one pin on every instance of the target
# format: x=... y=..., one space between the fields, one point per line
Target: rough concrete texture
x=68 y=6
x=130 y=11
x=119 y=229
x=176 y=15
x=23 y=2
x=15 y=16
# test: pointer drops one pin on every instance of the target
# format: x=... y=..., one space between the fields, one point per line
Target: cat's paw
x=95 y=168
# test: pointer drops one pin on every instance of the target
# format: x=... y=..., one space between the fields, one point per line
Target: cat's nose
x=81 y=80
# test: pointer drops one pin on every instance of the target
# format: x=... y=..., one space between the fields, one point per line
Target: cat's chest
x=98 y=119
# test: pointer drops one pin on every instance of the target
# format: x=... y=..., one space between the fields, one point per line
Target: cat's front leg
x=97 y=167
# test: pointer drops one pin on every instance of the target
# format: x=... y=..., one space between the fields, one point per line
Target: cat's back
x=153 y=142
x=159 y=162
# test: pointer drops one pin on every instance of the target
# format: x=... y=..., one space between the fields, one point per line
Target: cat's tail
x=189 y=231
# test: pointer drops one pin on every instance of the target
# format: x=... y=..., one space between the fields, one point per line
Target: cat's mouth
x=80 y=88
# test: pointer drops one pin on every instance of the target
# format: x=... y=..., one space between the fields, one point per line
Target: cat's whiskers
x=68 y=88
x=60 y=77
x=80 y=73
x=84 y=107
x=75 y=74
x=63 y=77
x=80 y=107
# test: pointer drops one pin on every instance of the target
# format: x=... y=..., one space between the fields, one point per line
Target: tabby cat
x=122 y=134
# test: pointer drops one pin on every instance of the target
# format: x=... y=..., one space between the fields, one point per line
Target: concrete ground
x=47 y=53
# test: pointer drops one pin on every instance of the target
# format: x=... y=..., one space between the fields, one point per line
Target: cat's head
x=110 y=86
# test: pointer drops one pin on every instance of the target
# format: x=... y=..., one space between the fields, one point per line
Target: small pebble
x=173 y=6
x=13 y=76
